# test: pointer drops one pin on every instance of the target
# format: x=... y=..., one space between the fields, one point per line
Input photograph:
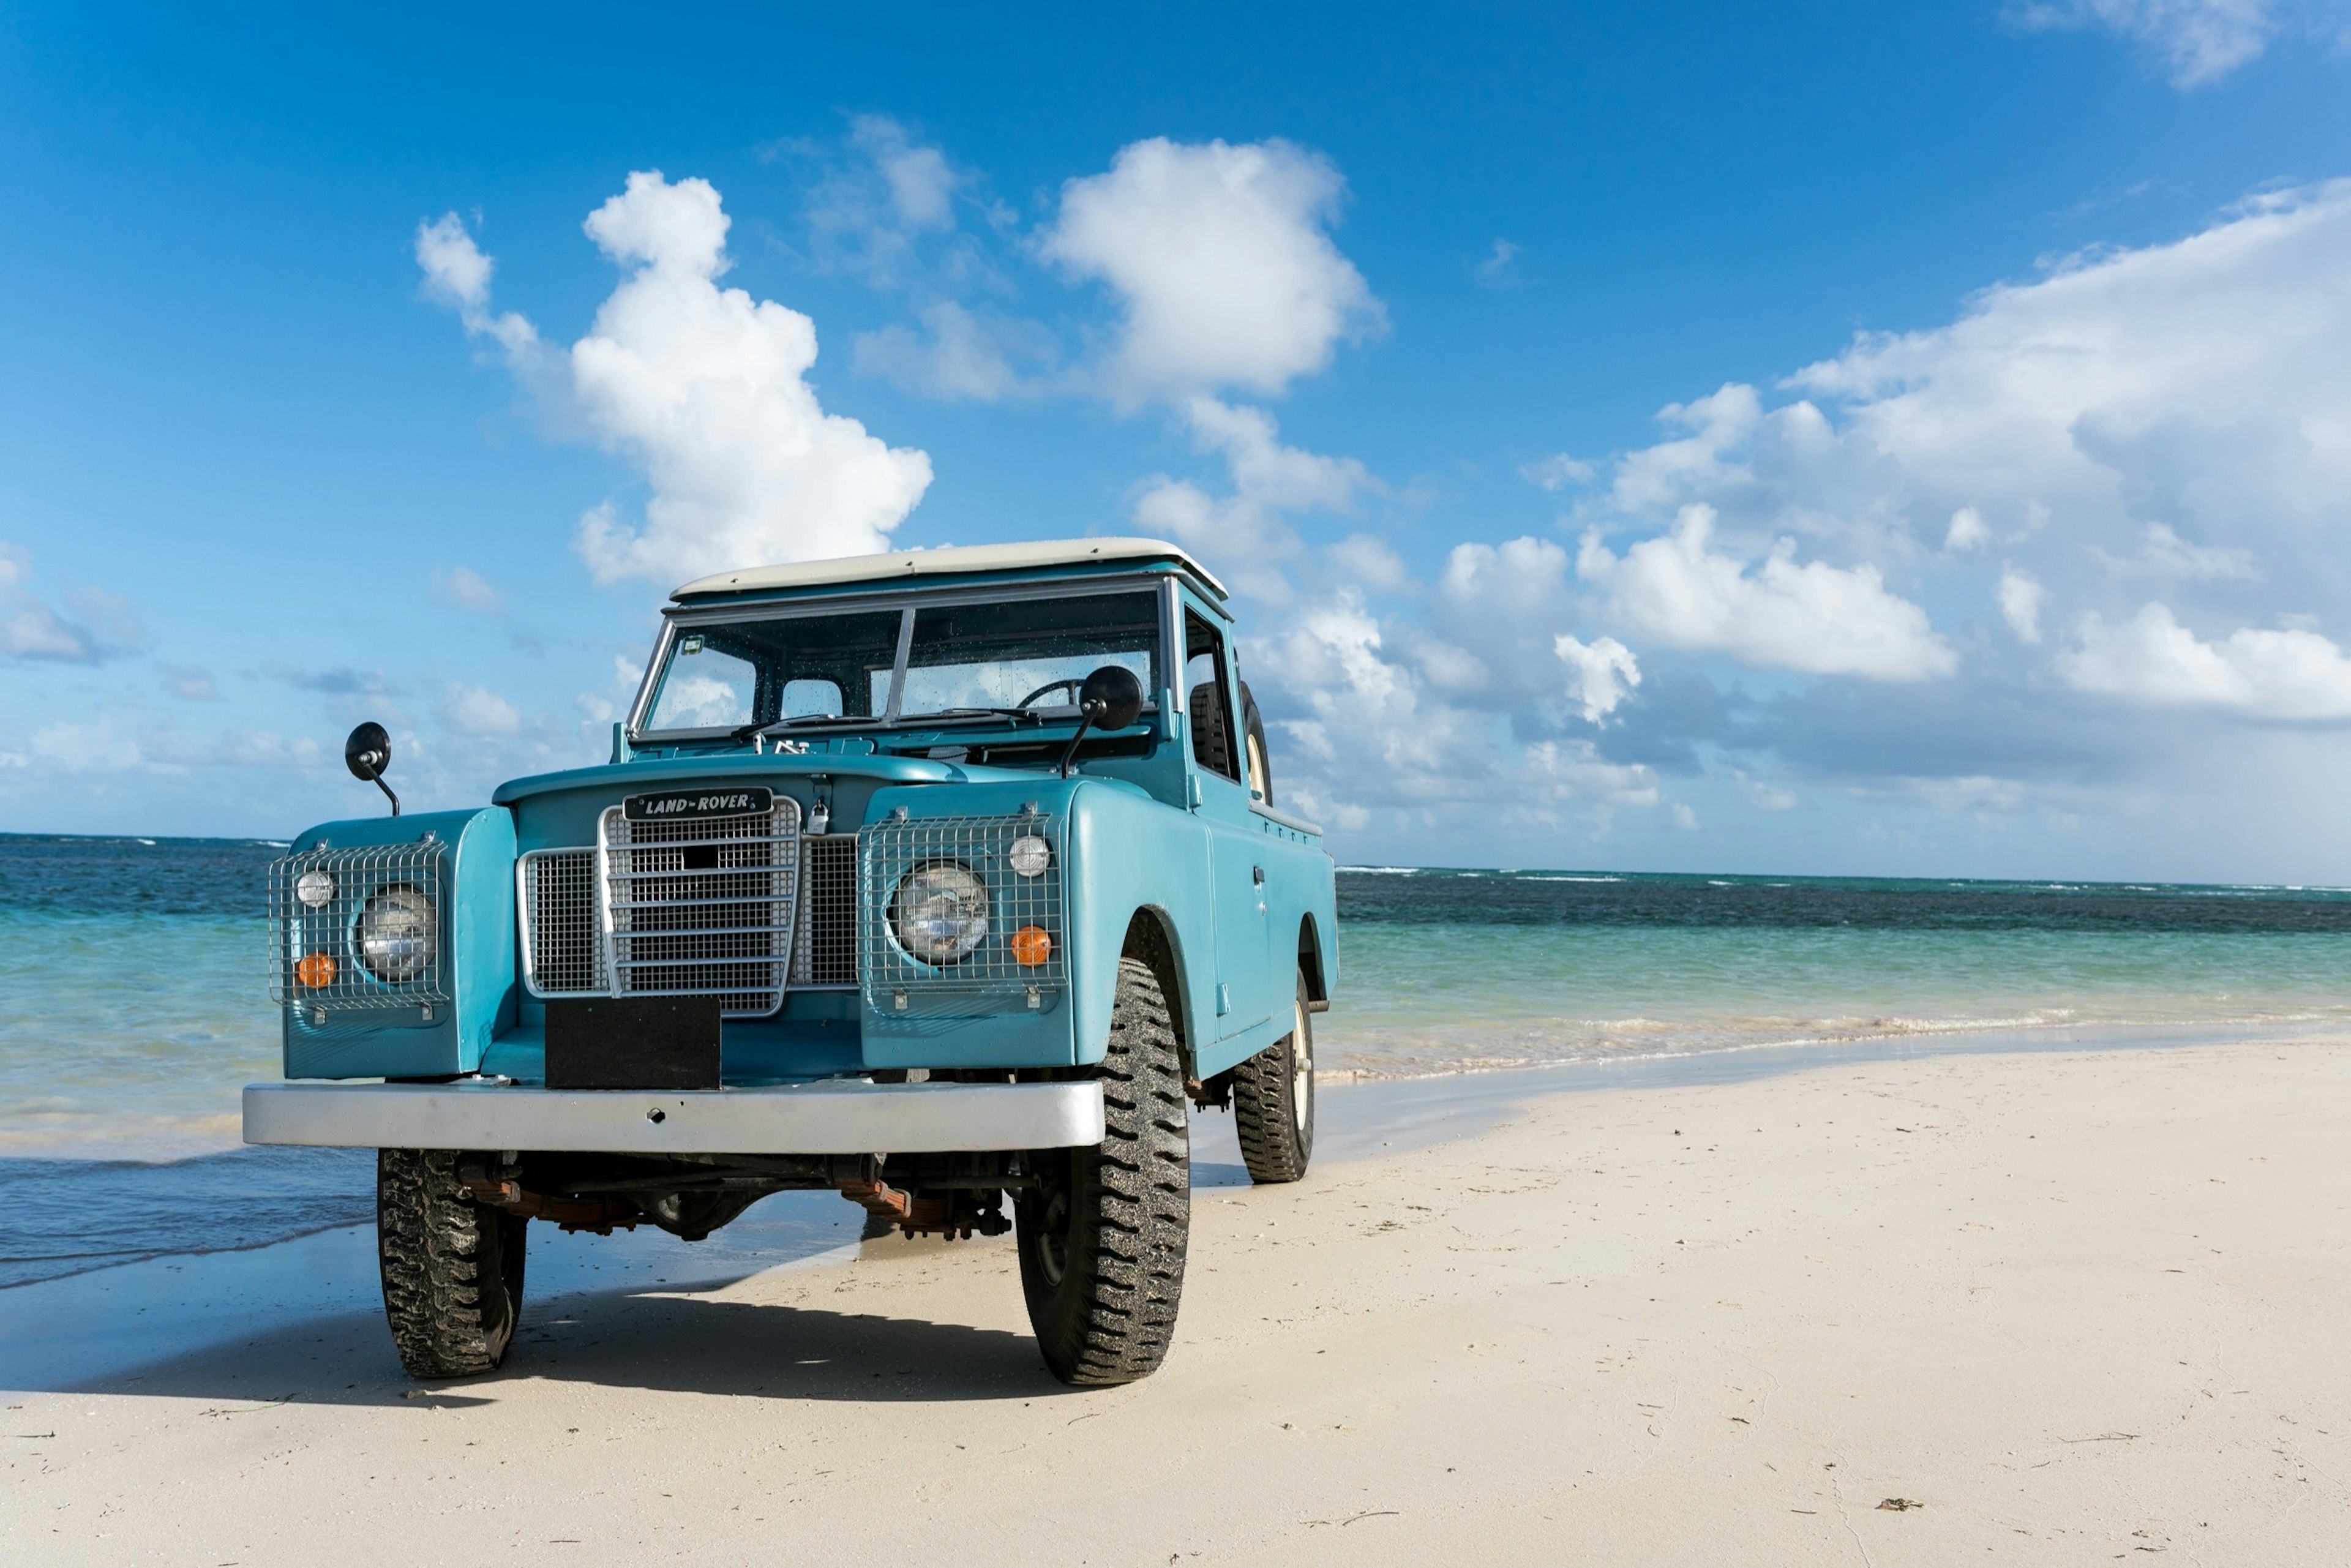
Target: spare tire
x=1260 y=770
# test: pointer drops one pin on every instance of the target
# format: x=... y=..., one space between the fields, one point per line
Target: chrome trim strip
x=898 y=667
x=833 y=1117
x=1272 y=813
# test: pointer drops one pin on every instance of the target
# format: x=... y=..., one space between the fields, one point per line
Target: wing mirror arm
x=367 y=754
x=1110 y=697
x=1070 y=752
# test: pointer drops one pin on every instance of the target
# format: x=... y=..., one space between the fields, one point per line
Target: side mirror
x=1111 y=697
x=367 y=754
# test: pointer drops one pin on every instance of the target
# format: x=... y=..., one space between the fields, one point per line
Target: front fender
x=1121 y=852
x=1130 y=853
x=475 y=899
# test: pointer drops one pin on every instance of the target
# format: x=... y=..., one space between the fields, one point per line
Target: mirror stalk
x=1070 y=752
x=1110 y=697
x=387 y=792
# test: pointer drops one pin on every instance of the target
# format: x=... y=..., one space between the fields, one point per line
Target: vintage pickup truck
x=927 y=878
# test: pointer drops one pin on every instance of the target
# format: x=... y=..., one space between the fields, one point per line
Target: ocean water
x=133 y=1003
x=1453 y=970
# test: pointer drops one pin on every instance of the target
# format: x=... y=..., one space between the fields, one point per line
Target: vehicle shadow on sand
x=618 y=1339
x=671 y=1333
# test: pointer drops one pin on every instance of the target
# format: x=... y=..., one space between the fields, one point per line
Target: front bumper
x=831 y=1117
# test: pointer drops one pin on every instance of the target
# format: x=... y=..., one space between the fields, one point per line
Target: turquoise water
x=1447 y=970
x=133 y=1001
x=133 y=1004
x=1447 y=997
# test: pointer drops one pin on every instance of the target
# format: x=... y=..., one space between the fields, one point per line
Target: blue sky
x=1993 y=526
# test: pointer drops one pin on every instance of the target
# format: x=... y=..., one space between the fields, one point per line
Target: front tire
x=1102 y=1237
x=1273 y=1102
x=451 y=1266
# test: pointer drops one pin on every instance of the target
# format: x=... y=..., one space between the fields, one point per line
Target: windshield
x=1026 y=653
x=730 y=673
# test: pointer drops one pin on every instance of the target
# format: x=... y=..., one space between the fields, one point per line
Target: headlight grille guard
x=990 y=976
x=360 y=873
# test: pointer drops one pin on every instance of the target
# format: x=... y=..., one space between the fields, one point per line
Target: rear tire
x=451 y=1266
x=1102 y=1238
x=1273 y=1102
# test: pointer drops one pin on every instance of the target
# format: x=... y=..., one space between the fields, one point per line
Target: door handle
x=1257 y=874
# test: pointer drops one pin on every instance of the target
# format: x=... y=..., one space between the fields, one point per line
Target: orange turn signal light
x=1032 y=946
x=316 y=970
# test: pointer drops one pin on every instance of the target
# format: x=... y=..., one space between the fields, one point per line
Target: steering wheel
x=1073 y=685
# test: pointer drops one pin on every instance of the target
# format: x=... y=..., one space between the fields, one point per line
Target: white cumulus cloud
x=457 y=274
x=1601 y=673
x=1809 y=617
x=1501 y=621
x=1222 y=261
x=1368 y=735
x=704 y=389
x=1246 y=532
x=2196 y=384
x=2151 y=658
x=2176 y=411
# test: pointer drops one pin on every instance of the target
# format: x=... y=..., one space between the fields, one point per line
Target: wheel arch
x=1311 y=966
x=1151 y=938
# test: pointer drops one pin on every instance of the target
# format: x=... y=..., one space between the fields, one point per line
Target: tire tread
x=1263 y=1118
x=1114 y=1316
x=448 y=1320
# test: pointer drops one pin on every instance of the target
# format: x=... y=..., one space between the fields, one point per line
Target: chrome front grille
x=563 y=931
x=827 y=951
x=565 y=948
x=703 y=907
x=327 y=932
x=992 y=977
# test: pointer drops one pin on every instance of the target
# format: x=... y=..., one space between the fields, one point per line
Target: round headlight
x=398 y=934
x=1029 y=855
x=316 y=889
x=940 y=913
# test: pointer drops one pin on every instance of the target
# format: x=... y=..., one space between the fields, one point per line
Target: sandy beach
x=2047 y=1308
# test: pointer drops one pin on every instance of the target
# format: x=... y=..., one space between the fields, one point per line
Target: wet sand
x=2062 y=1307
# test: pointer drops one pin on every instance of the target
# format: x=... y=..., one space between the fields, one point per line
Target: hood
x=631 y=776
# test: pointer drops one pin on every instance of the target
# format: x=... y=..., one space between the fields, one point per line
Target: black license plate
x=632 y=1043
x=676 y=805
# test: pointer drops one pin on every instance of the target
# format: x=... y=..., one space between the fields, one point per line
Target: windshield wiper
x=1010 y=713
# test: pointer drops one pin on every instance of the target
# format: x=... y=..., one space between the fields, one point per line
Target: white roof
x=950 y=559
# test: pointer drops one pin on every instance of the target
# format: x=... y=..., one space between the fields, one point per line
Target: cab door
x=1237 y=858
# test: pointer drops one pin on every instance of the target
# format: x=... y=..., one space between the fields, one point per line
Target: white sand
x=2077 y=1307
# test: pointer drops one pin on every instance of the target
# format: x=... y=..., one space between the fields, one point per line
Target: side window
x=1211 y=702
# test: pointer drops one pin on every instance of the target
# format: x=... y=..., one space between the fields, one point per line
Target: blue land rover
x=932 y=879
